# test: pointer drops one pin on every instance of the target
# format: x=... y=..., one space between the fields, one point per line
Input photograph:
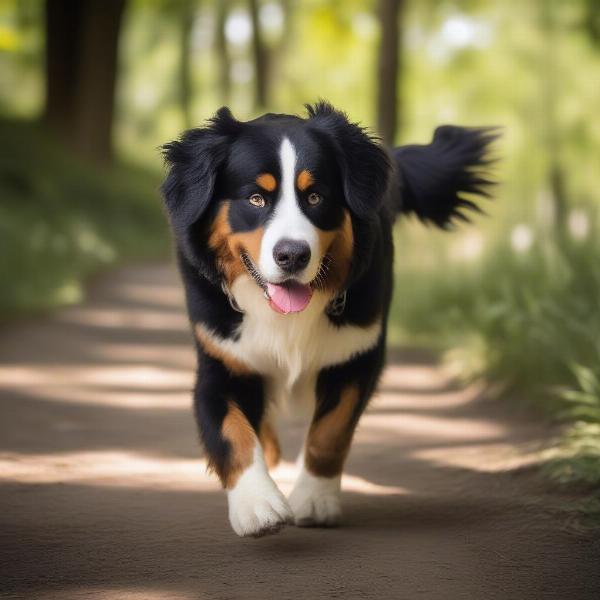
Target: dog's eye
x=314 y=199
x=257 y=200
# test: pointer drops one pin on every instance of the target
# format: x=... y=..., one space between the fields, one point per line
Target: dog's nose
x=291 y=256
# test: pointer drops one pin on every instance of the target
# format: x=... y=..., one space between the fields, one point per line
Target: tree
x=259 y=56
x=81 y=66
x=550 y=97
x=223 y=58
x=591 y=20
x=186 y=19
x=278 y=48
x=388 y=67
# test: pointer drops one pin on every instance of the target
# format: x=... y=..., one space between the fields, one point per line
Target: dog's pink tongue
x=289 y=297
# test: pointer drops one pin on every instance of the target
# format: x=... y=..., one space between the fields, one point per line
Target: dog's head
x=279 y=199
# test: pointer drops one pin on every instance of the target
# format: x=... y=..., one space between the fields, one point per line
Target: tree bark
x=389 y=12
x=223 y=58
x=551 y=134
x=276 y=54
x=81 y=67
x=260 y=59
x=185 y=61
x=63 y=24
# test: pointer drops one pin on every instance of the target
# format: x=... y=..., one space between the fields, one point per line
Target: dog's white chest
x=287 y=347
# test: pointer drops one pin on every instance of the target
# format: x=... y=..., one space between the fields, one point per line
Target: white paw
x=256 y=506
x=315 y=501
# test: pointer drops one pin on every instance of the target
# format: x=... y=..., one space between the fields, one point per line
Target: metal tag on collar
x=336 y=307
x=232 y=300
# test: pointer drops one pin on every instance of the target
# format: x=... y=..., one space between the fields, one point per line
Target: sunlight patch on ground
x=131 y=469
x=386 y=400
x=23 y=376
x=487 y=458
x=125 y=319
x=430 y=426
x=124 y=352
x=112 y=468
x=420 y=377
x=171 y=296
x=90 y=396
x=286 y=472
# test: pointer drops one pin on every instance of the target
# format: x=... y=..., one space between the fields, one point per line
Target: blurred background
x=89 y=90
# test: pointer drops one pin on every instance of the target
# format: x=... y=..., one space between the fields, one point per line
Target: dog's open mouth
x=289 y=296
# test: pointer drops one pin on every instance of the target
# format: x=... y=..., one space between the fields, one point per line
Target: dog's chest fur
x=291 y=349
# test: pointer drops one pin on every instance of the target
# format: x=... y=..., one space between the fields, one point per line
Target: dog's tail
x=440 y=180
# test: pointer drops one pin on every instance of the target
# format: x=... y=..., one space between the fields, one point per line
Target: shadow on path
x=104 y=494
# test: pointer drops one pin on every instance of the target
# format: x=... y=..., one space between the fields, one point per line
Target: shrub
x=62 y=219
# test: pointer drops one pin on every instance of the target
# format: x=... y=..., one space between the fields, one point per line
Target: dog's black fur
x=357 y=175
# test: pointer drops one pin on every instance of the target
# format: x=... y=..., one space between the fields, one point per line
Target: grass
x=527 y=319
x=577 y=460
x=62 y=219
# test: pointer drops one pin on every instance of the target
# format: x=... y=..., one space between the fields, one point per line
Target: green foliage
x=61 y=219
x=523 y=318
x=583 y=402
x=527 y=319
x=535 y=310
x=578 y=458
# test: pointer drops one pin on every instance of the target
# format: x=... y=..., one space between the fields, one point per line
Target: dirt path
x=103 y=493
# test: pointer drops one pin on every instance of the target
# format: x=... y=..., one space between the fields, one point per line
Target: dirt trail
x=103 y=493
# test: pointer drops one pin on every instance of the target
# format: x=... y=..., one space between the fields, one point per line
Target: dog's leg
x=315 y=499
x=341 y=395
x=229 y=410
x=269 y=443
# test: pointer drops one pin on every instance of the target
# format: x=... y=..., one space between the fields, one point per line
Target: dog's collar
x=334 y=309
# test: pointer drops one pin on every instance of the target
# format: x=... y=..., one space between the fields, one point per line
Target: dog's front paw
x=256 y=506
x=315 y=501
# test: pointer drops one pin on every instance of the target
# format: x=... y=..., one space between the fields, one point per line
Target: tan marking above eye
x=266 y=181
x=304 y=180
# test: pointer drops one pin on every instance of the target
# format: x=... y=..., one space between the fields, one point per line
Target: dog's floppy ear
x=364 y=165
x=194 y=161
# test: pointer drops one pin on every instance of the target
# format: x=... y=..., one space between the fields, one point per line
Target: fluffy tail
x=435 y=177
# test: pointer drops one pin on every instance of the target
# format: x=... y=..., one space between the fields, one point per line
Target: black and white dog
x=283 y=229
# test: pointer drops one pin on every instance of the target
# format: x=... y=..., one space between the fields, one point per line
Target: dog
x=283 y=233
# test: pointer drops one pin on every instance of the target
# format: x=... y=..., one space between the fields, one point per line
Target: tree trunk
x=81 y=67
x=277 y=52
x=551 y=129
x=63 y=24
x=185 y=60
x=388 y=69
x=260 y=59
x=223 y=58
